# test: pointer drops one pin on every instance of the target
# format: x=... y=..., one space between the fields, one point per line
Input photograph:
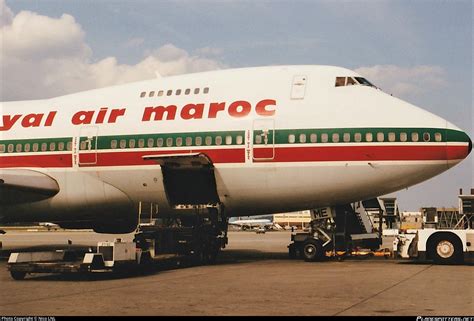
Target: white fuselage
x=280 y=139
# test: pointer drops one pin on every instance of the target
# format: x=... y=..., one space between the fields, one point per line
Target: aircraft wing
x=19 y=186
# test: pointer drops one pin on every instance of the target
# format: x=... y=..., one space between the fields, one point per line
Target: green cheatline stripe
x=282 y=136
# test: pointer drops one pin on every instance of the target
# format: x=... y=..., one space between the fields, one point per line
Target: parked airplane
x=252 y=223
x=49 y=225
x=252 y=140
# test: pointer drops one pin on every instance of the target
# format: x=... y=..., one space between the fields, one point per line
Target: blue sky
x=419 y=50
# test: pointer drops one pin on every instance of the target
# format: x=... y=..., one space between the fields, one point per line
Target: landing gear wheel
x=18 y=275
x=313 y=250
x=445 y=249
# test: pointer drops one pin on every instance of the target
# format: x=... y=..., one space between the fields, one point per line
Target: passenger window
x=346 y=138
x=258 y=139
x=151 y=94
x=350 y=81
x=198 y=141
x=189 y=141
x=414 y=137
x=403 y=137
x=81 y=147
x=391 y=137
x=150 y=142
x=358 y=137
x=28 y=146
x=426 y=137
x=335 y=138
x=123 y=143
x=169 y=142
x=240 y=140
x=208 y=140
x=196 y=91
x=131 y=143
x=369 y=137
x=340 y=81
x=19 y=148
x=35 y=147
x=141 y=143
x=313 y=138
x=219 y=140
x=2 y=148
x=228 y=140
x=187 y=92
x=291 y=138
x=438 y=137
x=302 y=138
x=380 y=137
x=324 y=138
x=206 y=90
x=52 y=146
x=11 y=148
x=178 y=92
x=159 y=142
x=160 y=93
x=113 y=144
x=60 y=146
x=179 y=141
x=143 y=94
x=69 y=146
x=169 y=92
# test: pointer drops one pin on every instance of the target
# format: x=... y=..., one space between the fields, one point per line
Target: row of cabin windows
x=178 y=141
x=177 y=92
x=36 y=147
x=219 y=140
x=369 y=137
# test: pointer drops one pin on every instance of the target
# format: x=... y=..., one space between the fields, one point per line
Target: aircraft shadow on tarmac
x=226 y=257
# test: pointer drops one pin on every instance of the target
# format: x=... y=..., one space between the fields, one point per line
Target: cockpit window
x=349 y=81
x=364 y=81
x=340 y=81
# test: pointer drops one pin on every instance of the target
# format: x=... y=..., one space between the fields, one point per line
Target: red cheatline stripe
x=135 y=158
x=362 y=153
x=282 y=154
x=57 y=160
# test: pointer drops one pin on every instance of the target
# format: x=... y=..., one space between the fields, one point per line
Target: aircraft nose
x=459 y=145
x=469 y=148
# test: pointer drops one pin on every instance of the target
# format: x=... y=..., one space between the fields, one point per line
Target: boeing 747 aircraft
x=253 y=140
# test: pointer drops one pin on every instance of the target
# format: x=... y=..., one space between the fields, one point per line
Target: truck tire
x=445 y=249
x=292 y=251
x=18 y=275
x=313 y=250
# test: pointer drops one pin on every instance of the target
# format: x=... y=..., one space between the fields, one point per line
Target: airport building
x=411 y=220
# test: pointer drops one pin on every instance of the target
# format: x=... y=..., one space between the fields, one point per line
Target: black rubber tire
x=445 y=249
x=313 y=250
x=292 y=251
x=18 y=275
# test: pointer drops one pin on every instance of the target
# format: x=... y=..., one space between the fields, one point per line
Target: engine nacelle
x=83 y=202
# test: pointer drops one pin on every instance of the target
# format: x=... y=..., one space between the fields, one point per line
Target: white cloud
x=43 y=57
x=405 y=81
x=6 y=15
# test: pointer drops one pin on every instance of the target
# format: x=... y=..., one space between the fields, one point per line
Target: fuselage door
x=298 y=87
x=88 y=145
x=263 y=139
